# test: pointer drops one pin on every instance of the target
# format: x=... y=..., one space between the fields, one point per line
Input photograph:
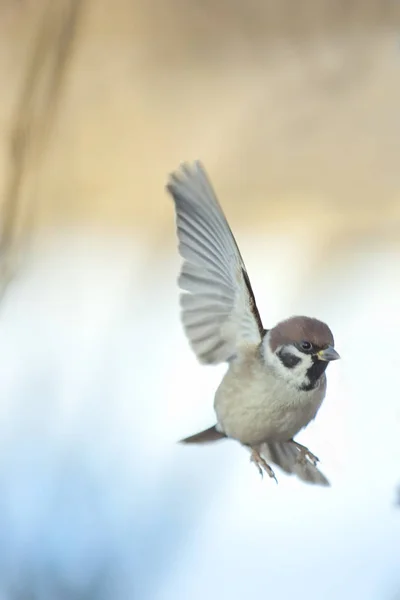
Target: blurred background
x=293 y=107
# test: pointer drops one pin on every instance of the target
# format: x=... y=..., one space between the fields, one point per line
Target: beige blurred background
x=293 y=108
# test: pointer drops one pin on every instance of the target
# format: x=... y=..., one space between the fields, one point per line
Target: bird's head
x=299 y=350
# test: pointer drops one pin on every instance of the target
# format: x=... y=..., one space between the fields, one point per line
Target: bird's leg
x=261 y=464
x=304 y=454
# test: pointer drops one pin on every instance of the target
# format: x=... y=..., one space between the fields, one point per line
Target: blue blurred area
x=97 y=384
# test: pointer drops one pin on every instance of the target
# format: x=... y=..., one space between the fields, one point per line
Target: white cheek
x=297 y=376
x=296 y=352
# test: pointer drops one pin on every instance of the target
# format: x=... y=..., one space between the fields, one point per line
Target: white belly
x=255 y=407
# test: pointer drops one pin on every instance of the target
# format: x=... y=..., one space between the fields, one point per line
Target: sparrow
x=275 y=382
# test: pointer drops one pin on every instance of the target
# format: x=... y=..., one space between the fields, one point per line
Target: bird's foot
x=305 y=454
x=261 y=464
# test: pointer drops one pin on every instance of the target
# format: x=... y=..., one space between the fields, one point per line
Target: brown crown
x=299 y=329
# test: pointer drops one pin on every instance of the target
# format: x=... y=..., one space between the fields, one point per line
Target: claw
x=262 y=465
x=305 y=454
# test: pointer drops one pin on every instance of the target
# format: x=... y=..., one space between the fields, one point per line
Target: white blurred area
x=97 y=384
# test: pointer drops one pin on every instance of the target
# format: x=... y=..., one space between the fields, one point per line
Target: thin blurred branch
x=33 y=119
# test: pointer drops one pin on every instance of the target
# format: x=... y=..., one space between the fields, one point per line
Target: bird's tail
x=286 y=456
x=208 y=435
x=282 y=454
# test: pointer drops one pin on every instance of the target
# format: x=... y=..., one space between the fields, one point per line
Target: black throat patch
x=314 y=373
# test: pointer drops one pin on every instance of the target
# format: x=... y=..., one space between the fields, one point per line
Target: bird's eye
x=306 y=346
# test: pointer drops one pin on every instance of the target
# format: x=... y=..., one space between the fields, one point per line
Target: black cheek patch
x=288 y=360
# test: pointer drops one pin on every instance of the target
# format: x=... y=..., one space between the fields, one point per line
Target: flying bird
x=275 y=382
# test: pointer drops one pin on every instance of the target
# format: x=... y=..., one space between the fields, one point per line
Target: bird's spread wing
x=219 y=312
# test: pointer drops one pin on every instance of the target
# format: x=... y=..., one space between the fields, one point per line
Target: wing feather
x=219 y=311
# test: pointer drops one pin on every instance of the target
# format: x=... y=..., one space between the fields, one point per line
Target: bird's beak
x=328 y=354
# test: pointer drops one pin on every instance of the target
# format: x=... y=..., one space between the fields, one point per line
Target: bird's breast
x=254 y=406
